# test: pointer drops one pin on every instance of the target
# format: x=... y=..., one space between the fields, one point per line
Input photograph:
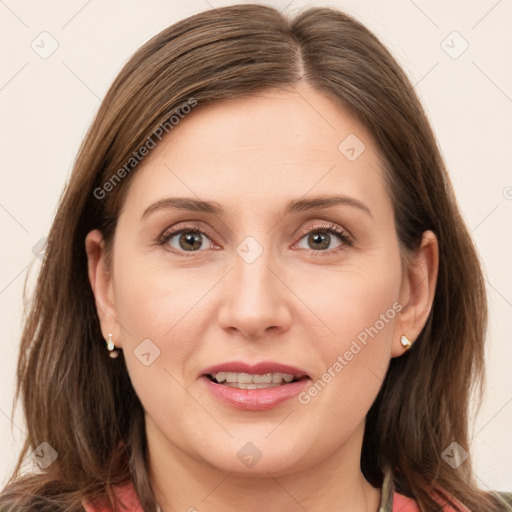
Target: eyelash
x=332 y=229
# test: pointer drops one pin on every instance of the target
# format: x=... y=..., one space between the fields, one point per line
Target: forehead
x=265 y=148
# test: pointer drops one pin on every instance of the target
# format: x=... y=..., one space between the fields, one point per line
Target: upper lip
x=255 y=369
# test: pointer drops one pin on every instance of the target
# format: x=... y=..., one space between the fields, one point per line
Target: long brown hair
x=82 y=403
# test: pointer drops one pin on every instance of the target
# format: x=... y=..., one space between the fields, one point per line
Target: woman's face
x=258 y=238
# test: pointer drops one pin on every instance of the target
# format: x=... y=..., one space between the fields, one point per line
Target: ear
x=417 y=291
x=102 y=286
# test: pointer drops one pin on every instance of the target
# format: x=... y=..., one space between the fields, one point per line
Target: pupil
x=193 y=241
x=325 y=238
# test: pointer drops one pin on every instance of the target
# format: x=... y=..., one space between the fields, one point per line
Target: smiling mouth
x=251 y=381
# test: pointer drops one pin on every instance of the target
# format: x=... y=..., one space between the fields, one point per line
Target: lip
x=255 y=369
x=255 y=399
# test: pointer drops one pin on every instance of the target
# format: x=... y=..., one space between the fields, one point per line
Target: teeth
x=249 y=381
x=262 y=379
x=244 y=378
x=250 y=386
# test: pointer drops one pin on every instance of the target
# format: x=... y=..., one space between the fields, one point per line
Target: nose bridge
x=252 y=274
x=255 y=298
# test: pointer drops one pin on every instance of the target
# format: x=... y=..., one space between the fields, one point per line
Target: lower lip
x=256 y=399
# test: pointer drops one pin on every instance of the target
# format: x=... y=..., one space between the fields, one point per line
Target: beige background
x=48 y=103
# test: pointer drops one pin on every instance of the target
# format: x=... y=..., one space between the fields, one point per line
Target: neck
x=181 y=482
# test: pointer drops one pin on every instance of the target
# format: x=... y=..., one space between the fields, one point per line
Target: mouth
x=253 y=381
x=254 y=387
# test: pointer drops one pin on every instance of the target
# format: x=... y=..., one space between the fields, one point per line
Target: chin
x=257 y=456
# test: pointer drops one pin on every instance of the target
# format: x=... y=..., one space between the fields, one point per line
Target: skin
x=296 y=304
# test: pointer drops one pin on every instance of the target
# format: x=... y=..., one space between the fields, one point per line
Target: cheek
x=164 y=313
x=157 y=311
x=357 y=300
x=153 y=300
x=358 y=309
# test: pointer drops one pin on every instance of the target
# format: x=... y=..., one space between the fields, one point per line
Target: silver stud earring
x=406 y=342
x=110 y=346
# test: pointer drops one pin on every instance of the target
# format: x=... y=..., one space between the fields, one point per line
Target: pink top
x=126 y=497
x=129 y=502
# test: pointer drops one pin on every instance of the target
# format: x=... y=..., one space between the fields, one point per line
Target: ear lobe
x=101 y=284
x=418 y=290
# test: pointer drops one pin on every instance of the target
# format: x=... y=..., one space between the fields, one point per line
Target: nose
x=256 y=302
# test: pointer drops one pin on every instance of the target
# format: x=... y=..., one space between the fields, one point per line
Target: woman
x=260 y=231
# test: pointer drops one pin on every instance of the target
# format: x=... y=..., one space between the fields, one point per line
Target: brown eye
x=325 y=239
x=186 y=240
x=190 y=241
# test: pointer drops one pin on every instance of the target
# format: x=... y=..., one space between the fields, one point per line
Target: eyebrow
x=298 y=205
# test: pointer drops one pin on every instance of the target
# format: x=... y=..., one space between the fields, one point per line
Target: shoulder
x=392 y=500
x=126 y=498
x=404 y=504
x=31 y=492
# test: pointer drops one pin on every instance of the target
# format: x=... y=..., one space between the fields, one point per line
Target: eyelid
x=187 y=226
x=325 y=225
x=344 y=236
